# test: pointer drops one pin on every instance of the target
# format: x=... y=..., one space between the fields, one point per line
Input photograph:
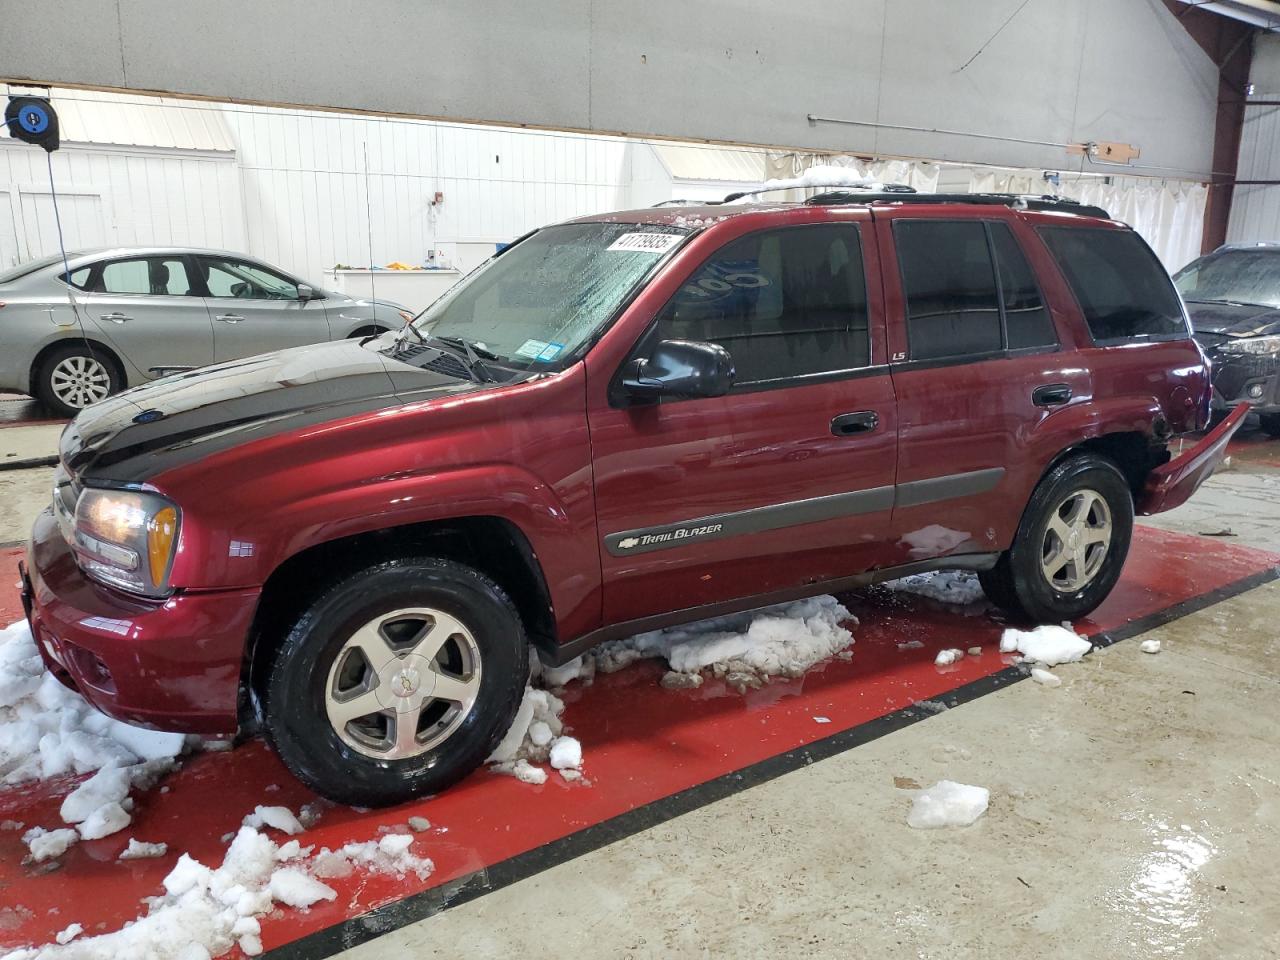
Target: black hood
x=153 y=428
x=1233 y=319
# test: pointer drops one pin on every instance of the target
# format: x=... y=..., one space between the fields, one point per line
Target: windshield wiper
x=464 y=351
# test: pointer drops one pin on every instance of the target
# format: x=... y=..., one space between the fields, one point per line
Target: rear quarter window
x=1123 y=291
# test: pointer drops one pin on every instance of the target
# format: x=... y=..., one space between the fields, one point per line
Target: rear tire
x=1270 y=423
x=76 y=376
x=1070 y=546
x=396 y=682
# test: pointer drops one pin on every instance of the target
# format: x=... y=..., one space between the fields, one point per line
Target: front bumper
x=171 y=665
x=1244 y=378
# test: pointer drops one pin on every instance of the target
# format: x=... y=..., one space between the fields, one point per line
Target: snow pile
x=744 y=649
x=1041 y=675
x=536 y=737
x=48 y=731
x=948 y=804
x=281 y=818
x=947 y=657
x=47 y=844
x=1048 y=645
x=1149 y=646
x=140 y=850
x=205 y=912
x=960 y=587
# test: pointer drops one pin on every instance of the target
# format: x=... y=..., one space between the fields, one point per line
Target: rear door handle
x=847 y=424
x=116 y=317
x=229 y=318
x=1051 y=395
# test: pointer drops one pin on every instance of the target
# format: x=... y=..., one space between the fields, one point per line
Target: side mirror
x=683 y=369
x=306 y=292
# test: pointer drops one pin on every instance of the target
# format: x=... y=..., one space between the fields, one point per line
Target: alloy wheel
x=403 y=683
x=1076 y=541
x=79 y=381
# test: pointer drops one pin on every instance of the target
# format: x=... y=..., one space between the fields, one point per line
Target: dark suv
x=1233 y=296
x=619 y=423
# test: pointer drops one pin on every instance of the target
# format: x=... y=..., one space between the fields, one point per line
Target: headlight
x=126 y=539
x=1258 y=346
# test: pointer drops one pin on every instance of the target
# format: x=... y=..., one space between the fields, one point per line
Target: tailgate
x=1173 y=484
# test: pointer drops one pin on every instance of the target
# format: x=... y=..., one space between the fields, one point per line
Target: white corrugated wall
x=112 y=196
x=309 y=203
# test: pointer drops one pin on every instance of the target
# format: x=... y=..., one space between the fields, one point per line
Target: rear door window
x=1121 y=287
x=949 y=280
x=1027 y=320
x=785 y=303
x=154 y=276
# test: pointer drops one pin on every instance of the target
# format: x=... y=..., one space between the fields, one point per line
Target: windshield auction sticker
x=645 y=242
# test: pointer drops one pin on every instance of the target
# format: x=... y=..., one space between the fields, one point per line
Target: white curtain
x=1168 y=214
x=921 y=175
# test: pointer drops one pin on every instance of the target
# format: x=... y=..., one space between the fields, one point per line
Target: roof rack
x=1018 y=201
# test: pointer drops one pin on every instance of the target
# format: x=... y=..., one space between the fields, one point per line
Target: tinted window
x=1120 y=285
x=950 y=285
x=251 y=281
x=157 y=276
x=1027 y=321
x=784 y=303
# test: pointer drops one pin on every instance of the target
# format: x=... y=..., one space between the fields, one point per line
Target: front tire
x=1070 y=546
x=76 y=376
x=396 y=682
x=1270 y=423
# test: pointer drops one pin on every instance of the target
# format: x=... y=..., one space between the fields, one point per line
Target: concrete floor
x=1135 y=812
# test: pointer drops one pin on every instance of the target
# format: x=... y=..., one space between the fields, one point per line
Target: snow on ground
x=960 y=587
x=948 y=804
x=745 y=648
x=1049 y=645
x=1041 y=675
x=204 y=912
x=1150 y=646
x=48 y=731
x=141 y=850
x=536 y=737
x=947 y=657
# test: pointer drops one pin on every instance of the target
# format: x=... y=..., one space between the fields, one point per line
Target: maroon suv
x=619 y=423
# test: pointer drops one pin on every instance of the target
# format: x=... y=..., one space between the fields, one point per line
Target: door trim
x=794 y=513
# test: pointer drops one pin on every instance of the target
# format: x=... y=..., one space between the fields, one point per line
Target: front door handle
x=847 y=424
x=116 y=317
x=1051 y=395
x=229 y=318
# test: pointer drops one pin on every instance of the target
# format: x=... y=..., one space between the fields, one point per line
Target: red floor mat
x=642 y=743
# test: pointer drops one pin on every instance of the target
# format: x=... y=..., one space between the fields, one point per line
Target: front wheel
x=396 y=682
x=1070 y=546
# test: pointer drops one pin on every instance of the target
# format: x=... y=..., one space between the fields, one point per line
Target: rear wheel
x=1270 y=423
x=1071 y=545
x=76 y=376
x=396 y=681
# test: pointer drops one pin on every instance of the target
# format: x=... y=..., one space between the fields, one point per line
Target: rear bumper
x=174 y=665
x=1172 y=484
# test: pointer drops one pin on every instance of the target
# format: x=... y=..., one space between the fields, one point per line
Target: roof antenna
x=368 y=221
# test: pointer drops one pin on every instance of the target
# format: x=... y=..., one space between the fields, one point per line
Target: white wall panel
x=1255 y=210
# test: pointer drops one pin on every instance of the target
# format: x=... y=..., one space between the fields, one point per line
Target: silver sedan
x=115 y=318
